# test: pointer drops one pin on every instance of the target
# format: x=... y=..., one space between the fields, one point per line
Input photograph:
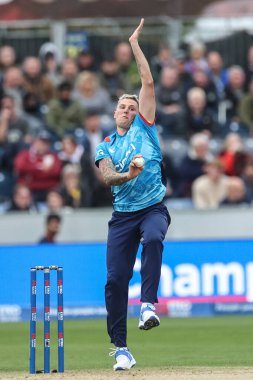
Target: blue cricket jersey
x=146 y=189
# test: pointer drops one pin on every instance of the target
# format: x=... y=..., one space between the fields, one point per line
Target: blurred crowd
x=53 y=114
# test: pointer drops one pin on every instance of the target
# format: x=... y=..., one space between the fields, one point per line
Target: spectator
x=13 y=83
x=202 y=80
x=184 y=77
x=54 y=202
x=92 y=133
x=197 y=59
x=32 y=115
x=246 y=108
x=236 y=192
x=210 y=189
x=192 y=165
x=248 y=180
x=162 y=59
x=234 y=92
x=53 y=224
x=127 y=67
x=91 y=95
x=35 y=81
x=233 y=156
x=11 y=119
x=49 y=56
x=86 y=61
x=8 y=151
x=38 y=168
x=64 y=114
x=69 y=71
x=111 y=79
x=7 y=57
x=170 y=106
x=72 y=189
x=21 y=200
x=218 y=74
x=71 y=152
x=198 y=118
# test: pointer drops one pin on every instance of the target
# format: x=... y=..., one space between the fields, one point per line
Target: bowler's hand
x=134 y=170
x=135 y=36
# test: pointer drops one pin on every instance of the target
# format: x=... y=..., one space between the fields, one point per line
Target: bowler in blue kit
x=139 y=216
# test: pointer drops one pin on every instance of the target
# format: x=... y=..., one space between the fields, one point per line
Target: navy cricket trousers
x=126 y=231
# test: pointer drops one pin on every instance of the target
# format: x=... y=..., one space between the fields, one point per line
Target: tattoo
x=110 y=175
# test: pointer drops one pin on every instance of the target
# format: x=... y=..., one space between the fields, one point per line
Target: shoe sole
x=149 y=324
x=124 y=369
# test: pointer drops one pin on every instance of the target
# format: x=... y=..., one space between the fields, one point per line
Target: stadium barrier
x=199 y=278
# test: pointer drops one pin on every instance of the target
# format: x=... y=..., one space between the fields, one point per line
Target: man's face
x=54 y=226
x=125 y=112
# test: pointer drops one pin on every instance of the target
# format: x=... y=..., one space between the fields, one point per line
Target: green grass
x=220 y=341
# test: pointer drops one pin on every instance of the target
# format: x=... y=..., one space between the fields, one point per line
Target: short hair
x=129 y=96
x=196 y=91
x=71 y=169
x=64 y=86
x=52 y=216
x=199 y=138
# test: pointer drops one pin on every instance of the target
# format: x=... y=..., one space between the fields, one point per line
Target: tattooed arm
x=147 y=93
x=112 y=177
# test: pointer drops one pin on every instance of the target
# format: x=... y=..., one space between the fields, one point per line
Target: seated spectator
x=69 y=71
x=21 y=200
x=93 y=133
x=197 y=59
x=245 y=110
x=91 y=95
x=236 y=193
x=8 y=152
x=38 y=168
x=210 y=189
x=248 y=180
x=111 y=79
x=64 y=114
x=7 y=58
x=162 y=59
x=86 y=61
x=35 y=81
x=72 y=189
x=233 y=157
x=53 y=224
x=198 y=118
x=192 y=165
x=170 y=105
x=127 y=66
x=11 y=119
x=13 y=83
x=184 y=77
x=49 y=56
x=54 y=202
x=217 y=73
x=32 y=115
x=71 y=152
x=234 y=92
x=202 y=80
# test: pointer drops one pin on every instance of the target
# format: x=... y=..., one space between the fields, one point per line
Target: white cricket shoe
x=124 y=359
x=148 y=317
